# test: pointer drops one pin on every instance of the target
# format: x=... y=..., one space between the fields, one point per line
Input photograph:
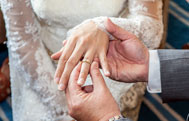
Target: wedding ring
x=86 y=61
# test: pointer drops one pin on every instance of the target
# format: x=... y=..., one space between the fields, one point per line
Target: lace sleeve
x=28 y=54
x=144 y=20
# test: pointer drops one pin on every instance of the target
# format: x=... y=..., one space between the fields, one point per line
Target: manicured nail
x=61 y=87
x=80 y=82
x=57 y=80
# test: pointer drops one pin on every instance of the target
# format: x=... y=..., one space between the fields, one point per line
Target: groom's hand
x=91 y=103
x=128 y=58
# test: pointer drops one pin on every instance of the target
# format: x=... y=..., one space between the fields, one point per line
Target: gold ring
x=86 y=61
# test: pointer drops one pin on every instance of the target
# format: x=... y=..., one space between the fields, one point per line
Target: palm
x=127 y=60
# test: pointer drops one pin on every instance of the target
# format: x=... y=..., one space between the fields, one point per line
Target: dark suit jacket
x=174 y=70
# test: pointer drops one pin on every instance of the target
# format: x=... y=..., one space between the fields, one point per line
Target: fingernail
x=61 y=87
x=57 y=80
x=80 y=82
x=107 y=73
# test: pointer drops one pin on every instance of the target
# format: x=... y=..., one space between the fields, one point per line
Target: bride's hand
x=86 y=42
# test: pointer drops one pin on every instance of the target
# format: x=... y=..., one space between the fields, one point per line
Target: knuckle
x=97 y=73
x=64 y=59
x=83 y=73
x=75 y=37
x=87 y=38
x=71 y=62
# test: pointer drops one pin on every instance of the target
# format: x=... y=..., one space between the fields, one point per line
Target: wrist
x=145 y=70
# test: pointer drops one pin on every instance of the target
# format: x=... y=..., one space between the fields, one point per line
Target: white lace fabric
x=30 y=61
x=144 y=20
x=34 y=94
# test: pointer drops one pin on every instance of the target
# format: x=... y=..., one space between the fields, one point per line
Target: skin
x=86 y=42
x=127 y=56
x=67 y=63
x=129 y=60
x=91 y=103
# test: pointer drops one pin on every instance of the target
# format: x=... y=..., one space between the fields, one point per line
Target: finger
x=64 y=42
x=73 y=87
x=74 y=91
x=85 y=68
x=98 y=80
x=63 y=59
x=88 y=89
x=71 y=63
x=96 y=59
x=117 y=31
x=104 y=64
x=57 y=55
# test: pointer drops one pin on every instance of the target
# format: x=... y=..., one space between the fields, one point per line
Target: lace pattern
x=147 y=29
x=141 y=21
x=32 y=69
x=25 y=45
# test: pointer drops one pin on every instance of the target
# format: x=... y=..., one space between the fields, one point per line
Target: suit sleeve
x=174 y=69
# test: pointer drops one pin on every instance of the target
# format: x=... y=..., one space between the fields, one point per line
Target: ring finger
x=86 y=63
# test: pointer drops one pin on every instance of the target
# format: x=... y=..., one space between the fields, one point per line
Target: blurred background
x=176 y=36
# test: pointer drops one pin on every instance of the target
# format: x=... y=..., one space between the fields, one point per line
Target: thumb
x=97 y=78
x=73 y=87
x=117 y=31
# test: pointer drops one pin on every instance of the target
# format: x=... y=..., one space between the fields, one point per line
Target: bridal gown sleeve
x=28 y=54
x=144 y=20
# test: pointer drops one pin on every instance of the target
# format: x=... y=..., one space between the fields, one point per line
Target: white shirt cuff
x=154 y=81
